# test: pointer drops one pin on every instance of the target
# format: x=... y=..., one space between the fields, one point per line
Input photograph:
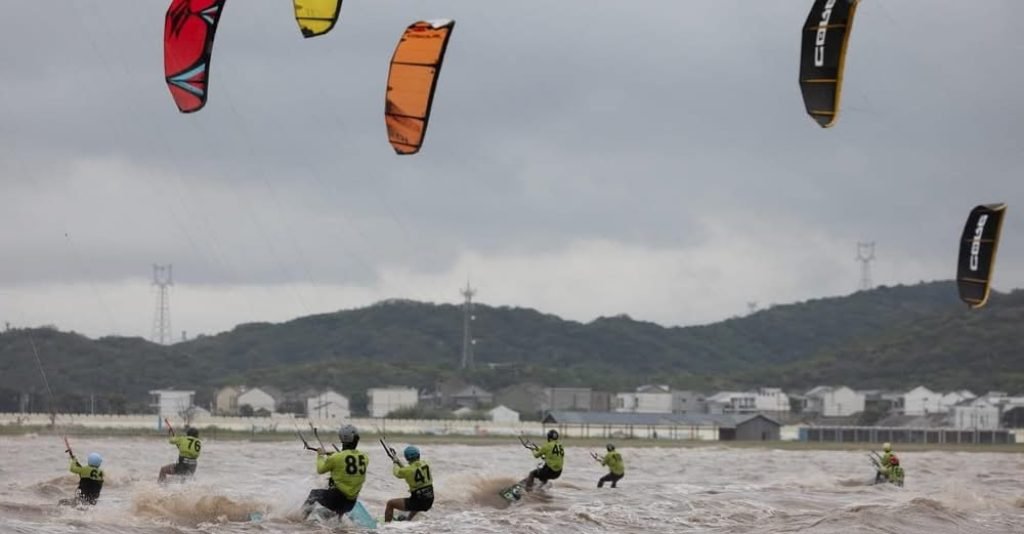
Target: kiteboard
x=514 y=492
x=517 y=491
x=357 y=515
x=361 y=517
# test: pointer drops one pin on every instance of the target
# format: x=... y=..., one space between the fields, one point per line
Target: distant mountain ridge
x=887 y=337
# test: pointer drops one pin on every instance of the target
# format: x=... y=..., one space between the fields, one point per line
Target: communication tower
x=467 y=319
x=163 y=280
x=865 y=255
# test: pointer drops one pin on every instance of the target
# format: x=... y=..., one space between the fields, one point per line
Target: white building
x=172 y=403
x=833 y=401
x=225 y=402
x=501 y=414
x=922 y=401
x=1001 y=399
x=976 y=415
x=772 y=400
x=327 y=404
x=732 y=402
x=950 y=400
x=382 y=401
x=257 y=399
x=646 y=399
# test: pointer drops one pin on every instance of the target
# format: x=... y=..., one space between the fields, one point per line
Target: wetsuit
x=616 y=468
x=90 y=484
x=348 y=473
x=896 y=475
x=421 y=485
x=188 y=454
x=554 y=457
x=883 y=467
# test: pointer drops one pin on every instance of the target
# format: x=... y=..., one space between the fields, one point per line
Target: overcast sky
x=585 y=158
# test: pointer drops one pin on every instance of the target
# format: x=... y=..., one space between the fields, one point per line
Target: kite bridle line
x=301 y=437
x=316 y=433
x=49 y=392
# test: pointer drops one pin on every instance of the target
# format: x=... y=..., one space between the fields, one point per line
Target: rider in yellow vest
x=616 y=467
x=188 y=446
x=421 y=486
x=348 y=473
x=883 y=463
x=90 y=481
x=553 y=454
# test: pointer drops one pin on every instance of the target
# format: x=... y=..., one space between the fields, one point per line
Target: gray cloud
x=667 y=129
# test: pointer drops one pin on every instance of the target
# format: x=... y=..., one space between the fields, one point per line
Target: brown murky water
x=719 y=490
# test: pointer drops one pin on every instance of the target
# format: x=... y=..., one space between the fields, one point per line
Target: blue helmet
x=95 y=459
x=411 y=453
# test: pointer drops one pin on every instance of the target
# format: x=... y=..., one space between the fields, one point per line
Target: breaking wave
x=187 y=508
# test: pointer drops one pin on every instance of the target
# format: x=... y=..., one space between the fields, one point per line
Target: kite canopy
x=316 y=17
x=823 y=55
x=412 y=79
x=978 y=253
x=188 y=42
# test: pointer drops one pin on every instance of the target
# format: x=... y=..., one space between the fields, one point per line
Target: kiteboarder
x=616 y=467
x=882 y=473
x=90 y=481
x=421 y=486
x=348 y=473
x=553 y=454
x=189 y=446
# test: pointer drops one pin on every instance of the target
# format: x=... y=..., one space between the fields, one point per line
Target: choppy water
x=708 y=489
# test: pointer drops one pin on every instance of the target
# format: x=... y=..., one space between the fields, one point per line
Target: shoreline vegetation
x=887 y=339
x=218 y=434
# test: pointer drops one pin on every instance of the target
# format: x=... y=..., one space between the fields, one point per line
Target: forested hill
x=895 y=336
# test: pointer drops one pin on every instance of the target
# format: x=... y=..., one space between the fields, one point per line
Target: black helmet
x=192 y=432
x=610 y=447
x=552 y=435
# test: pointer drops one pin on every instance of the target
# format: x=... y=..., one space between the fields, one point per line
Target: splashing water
x=710 y=489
